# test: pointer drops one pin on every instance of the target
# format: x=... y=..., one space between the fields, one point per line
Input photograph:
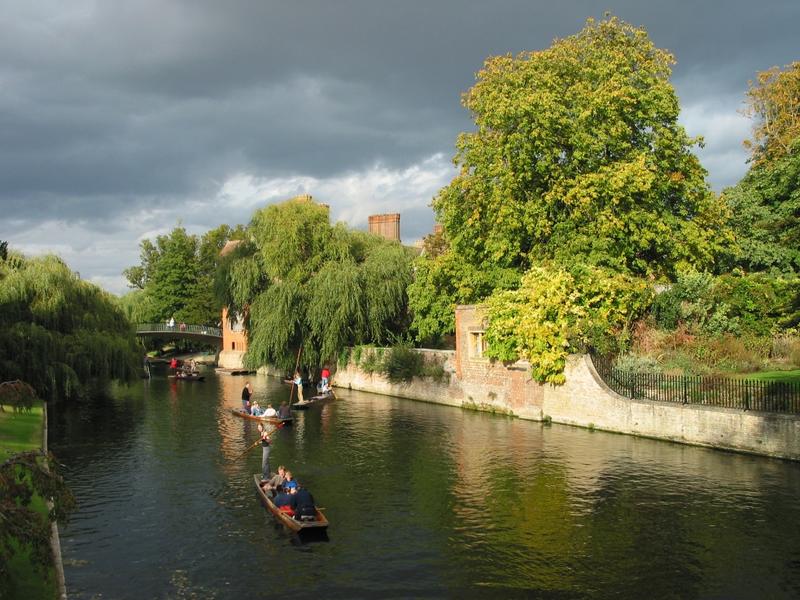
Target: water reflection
x=424 y=501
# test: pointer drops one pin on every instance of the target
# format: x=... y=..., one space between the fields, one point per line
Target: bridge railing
x=178 y=328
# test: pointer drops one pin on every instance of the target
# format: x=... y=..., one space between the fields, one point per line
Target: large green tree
x=62 y=335
x=765 y=205
x=176 y=276
x=577 y=157
x=300 y=281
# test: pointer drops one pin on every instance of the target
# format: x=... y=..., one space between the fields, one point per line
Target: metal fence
x=178 y=328
x=744 y=394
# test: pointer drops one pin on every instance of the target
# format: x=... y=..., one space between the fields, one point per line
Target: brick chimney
x=386 y=226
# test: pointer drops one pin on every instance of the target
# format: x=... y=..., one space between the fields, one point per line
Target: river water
x=424 y=501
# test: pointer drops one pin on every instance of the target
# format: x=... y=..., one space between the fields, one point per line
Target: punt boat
x=318 y=523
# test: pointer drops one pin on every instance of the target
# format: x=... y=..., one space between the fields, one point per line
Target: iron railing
x=726 y=392
x=178 y=328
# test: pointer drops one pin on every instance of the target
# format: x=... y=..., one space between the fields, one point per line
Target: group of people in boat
x=179 y=367
x=289 y=496
x=323 y=387
x=254 y=408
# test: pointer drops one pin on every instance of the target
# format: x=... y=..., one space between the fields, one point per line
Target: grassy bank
x=20 y=432
x=780 y=376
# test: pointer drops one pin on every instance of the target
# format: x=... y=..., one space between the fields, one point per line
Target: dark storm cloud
x=115 y=115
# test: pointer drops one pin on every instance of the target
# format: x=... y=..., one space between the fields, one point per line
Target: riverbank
x=21 y=432
x=585 y=401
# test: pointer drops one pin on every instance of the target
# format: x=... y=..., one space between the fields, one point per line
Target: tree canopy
x=577 y=159
x=23 y=478
x=176 y=276
x=578 y=156
x=765 y=205
x=300 y=281
x=58 y=333
x=558 y=311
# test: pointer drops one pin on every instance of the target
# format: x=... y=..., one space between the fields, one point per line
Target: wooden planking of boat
x=188 y=376
x=320 y=522
x=318 y=399
x=272 y=420
x=329 y=395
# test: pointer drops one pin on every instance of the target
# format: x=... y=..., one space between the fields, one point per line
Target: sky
x=120 y=120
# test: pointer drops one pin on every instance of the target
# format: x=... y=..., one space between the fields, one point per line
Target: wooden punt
x=318 y=524
x=272 y=420
x=329 y=395
x=188 y=376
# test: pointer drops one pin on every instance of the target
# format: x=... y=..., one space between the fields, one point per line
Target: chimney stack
x=386 y=226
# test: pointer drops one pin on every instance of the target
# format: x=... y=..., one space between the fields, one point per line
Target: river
x=424 y=501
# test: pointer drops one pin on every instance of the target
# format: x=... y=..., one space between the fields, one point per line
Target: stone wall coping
x=587 y=360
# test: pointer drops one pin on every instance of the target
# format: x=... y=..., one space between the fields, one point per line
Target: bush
x=434 y=369
x=557 y=311
x=634 y=363
x=344 y=358
x=401 y=364
x=371 y=361
x=357 y=351
x=743 y=304
x=786 y=349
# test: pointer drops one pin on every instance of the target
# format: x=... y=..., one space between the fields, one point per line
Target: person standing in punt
x=247 y=391
x=298 y=381
x=265 y=443
x=325 y=375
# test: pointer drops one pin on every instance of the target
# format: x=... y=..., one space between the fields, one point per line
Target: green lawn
x=20 y=432
x=782 y=376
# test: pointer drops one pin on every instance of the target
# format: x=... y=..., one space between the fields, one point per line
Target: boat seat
x=307 y=518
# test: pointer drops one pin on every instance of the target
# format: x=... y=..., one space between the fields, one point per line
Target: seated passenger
x=283 y=501
x=277 y=480
x=255 y=410
x=270 y=412
x=302 y=503
x=284 y=412
x=289 y=481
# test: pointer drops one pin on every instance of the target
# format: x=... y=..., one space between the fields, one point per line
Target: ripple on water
x=424 y=501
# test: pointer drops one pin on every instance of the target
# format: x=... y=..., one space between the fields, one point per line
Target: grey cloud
x=111 y=109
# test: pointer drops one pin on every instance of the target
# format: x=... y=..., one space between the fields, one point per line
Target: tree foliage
x=60 y=334
x=443 y=281
x=556 y=312
x=773 y=100
x=301 y=282
x=22 y=477
x=765 y=205
x=741 y=304
x=18 y=394
x=578 y=156
x=176 y=276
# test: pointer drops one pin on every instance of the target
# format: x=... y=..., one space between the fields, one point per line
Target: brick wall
x=492 y=384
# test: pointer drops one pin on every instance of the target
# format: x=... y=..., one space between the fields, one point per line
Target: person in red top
x=326 y=374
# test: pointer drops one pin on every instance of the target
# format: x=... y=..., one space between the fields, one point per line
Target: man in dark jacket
x=303 y=503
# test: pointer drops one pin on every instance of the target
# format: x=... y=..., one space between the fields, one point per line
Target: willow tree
x=62 y=335
x=300 y=281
